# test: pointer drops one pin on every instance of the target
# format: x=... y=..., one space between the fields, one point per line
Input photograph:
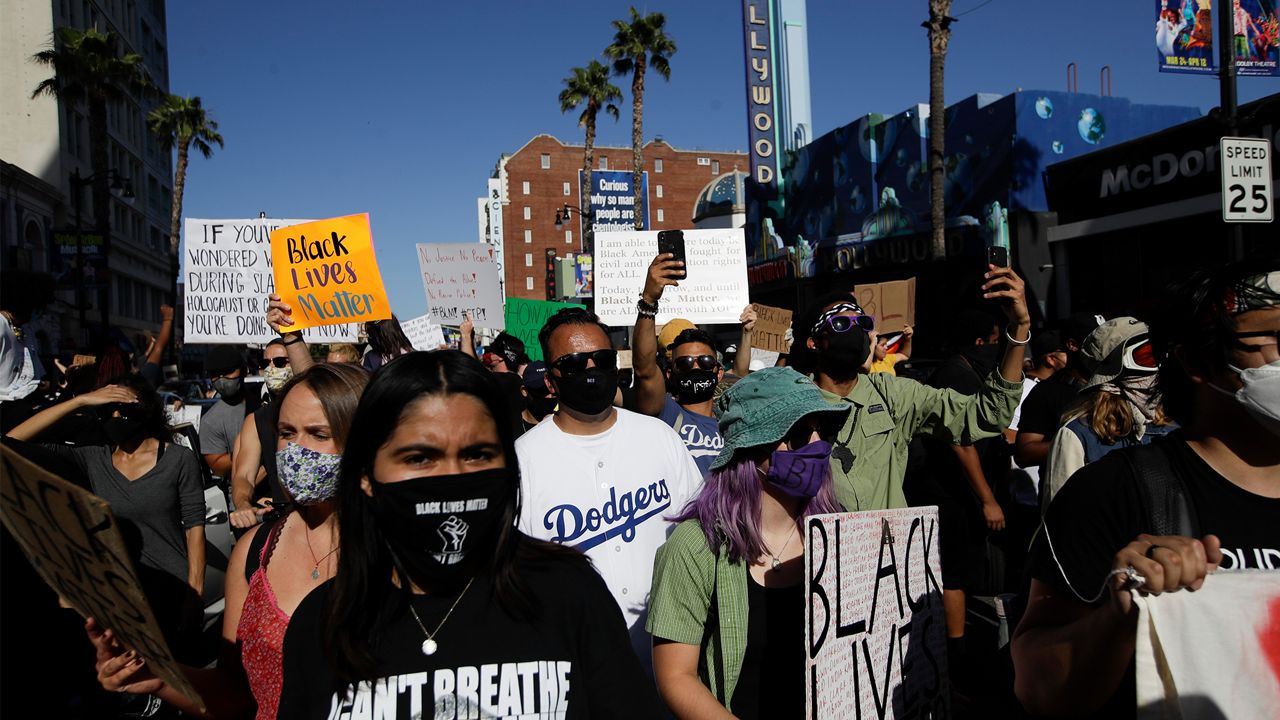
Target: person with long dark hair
x=273 y=567
x=440 y=606
x=387 y=342
x=727 y=607
x=154 y=487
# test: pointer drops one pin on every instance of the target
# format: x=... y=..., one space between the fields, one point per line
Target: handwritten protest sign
x=423 y=334
x=715 y=290
x=771 y=329
x=875 y=633
x=461 y=278
x=327 y=273
x=73 y=542
x=892 y=304
x=226 y=280
x=525 y=319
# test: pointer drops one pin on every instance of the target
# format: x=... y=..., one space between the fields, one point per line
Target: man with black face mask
x=539 y=401
x=220 y=425
x=599 y=478
x=869 y=459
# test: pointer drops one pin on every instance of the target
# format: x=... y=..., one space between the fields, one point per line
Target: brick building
x=542 y=177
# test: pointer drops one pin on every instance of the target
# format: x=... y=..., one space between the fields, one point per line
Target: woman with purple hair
x=727 y=606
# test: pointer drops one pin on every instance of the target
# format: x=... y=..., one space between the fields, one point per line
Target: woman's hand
x=119 y=669
x=279 y=314
x=1167 y=563
x=107 y=395
x=250 y=516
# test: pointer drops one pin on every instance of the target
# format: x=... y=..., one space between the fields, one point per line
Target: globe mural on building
x=1091 y=126
x=1044 y=107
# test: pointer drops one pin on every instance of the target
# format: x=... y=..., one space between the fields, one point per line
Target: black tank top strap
x=265 y=537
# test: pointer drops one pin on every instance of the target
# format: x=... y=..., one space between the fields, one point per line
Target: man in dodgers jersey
x=599 y=478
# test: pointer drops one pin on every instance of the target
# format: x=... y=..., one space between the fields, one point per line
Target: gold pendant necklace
x=430 y=646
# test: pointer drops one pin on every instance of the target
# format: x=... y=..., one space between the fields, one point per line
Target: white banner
x=226 y=280
x=423 y=334
x=875 y=632
x=461 y=278
x=714 y=291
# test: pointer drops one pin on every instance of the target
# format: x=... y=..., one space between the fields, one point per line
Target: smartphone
x=998 y=256
x=672 y=241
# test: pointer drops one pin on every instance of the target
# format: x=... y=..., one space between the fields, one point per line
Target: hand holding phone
x=998 y=256
x=672 y=241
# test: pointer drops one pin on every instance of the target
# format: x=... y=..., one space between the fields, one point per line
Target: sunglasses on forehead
x=574 y=363
x=278 y=362
x=685 y=363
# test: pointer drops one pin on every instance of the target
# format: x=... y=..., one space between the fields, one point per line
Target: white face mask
x=1259 y=394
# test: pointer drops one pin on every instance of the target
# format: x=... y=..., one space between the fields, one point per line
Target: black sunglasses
x=574 y=363
x=126 y=410
x=278 y=362
x=845 y=323
x=685 y=363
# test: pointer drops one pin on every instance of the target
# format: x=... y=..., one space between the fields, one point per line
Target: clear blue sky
x=401 y=109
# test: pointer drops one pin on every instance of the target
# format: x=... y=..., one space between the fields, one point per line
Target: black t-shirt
x=771 y=684
x=510 y=383
x=959 y=374
x=1099 y=511
x=573 y=661
x=264 y=422
x=1045 y=405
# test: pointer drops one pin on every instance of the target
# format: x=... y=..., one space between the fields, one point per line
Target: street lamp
x=563 y=216
x=121 y=187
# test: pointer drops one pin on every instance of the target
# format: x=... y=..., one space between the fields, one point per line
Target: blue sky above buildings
x=402 y=109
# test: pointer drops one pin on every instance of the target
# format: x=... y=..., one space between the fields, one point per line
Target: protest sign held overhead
x=892 y=304
x=714 y=290
x=227 y=278
x=461 y=278
x=423 y=334
x=74 y=543
x=525 y=319
x=770 y=332
x=327 y=273
x=875 y=633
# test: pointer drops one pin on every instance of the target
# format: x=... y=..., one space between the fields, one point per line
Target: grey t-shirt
x=162 y=504
x=220 y=426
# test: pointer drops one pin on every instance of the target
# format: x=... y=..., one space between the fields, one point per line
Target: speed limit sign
x=1246 y=180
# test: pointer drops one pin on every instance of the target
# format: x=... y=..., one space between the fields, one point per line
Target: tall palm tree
x=639 y=45
x=939 y=25
x=590 y=88
x=182 y=122
x=88 y=67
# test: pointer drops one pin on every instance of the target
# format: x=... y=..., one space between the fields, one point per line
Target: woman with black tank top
x=273 y=567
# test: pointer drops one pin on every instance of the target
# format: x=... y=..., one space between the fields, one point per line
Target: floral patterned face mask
x=308 y=476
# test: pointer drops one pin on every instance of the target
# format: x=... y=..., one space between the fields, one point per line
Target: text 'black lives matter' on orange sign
x=73 y=542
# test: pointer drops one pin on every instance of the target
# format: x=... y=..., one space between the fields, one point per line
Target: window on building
x=661 y=215
x=528 y=283
x=528 y=236
x=566 y=189
x=715 y=167
x=657 y=165
x=568 y=237
x=704 y=161
x=546 y=161
x=526 y=212
x=657 y=190
x=525 y=187
x=528 y=259
x=604 y=163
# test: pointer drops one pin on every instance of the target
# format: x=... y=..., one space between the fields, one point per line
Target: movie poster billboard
x=1257 y=23
x=1184 y=36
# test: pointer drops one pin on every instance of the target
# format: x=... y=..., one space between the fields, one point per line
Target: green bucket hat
x=760 y=408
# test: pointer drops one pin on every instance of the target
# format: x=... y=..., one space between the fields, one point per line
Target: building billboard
x=612 y=201
x=1255 y=44
x=1184 y=36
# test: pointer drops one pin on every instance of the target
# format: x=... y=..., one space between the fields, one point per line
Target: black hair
x=150 y=407
x=387 y=338
x=804 y=360
x=337 y=386
x=362 y=599
x=970 y=324
x=274 y=341
x=568 y=316
x=511 y=348
x=1197 y=321
x=693 y=335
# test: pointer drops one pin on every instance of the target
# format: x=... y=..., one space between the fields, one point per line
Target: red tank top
x=261 y=634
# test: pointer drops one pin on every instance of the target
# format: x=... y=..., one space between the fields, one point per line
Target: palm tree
x=88 y=67
x=637 y=46
x=591 y=88
x=939 y=25
x=182 y=122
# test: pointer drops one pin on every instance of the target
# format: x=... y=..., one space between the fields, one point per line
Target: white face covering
x=1259 y=394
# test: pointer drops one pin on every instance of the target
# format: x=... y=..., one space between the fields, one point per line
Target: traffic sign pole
x=1247 y=191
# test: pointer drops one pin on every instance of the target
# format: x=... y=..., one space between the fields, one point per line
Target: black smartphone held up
x=998 y=256
x=672 y=241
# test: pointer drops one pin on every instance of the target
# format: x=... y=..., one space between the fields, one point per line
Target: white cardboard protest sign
x=423 y=334
x=226 y=280
x=461 y=278
x=875 y=633
x=715 y=290
x=187 y=414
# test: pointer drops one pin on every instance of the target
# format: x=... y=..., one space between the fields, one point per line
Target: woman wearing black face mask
x=440 y=606
x=155 y=490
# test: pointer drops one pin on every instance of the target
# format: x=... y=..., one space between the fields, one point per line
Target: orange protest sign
x=326 y=271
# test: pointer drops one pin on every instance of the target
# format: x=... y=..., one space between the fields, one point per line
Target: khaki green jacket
x=869 y=459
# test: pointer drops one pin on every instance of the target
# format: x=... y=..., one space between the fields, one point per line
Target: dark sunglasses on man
x=845 y=323
x=575 y=363
x=685 y=363
x=278 y=362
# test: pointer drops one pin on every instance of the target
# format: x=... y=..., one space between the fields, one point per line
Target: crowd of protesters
x=476 y=533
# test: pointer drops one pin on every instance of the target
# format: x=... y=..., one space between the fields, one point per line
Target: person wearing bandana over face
x=1119 y=405
x=441 y=607
x=740 y=547
x=154 y=487
x=271 y=569
x=869 y=460
x=250 y=466
x=220 y=425
x=599 y=478
x=1217 y=337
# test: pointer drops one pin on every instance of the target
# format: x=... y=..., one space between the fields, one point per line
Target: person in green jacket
x=726 y=609
x=869 y=459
